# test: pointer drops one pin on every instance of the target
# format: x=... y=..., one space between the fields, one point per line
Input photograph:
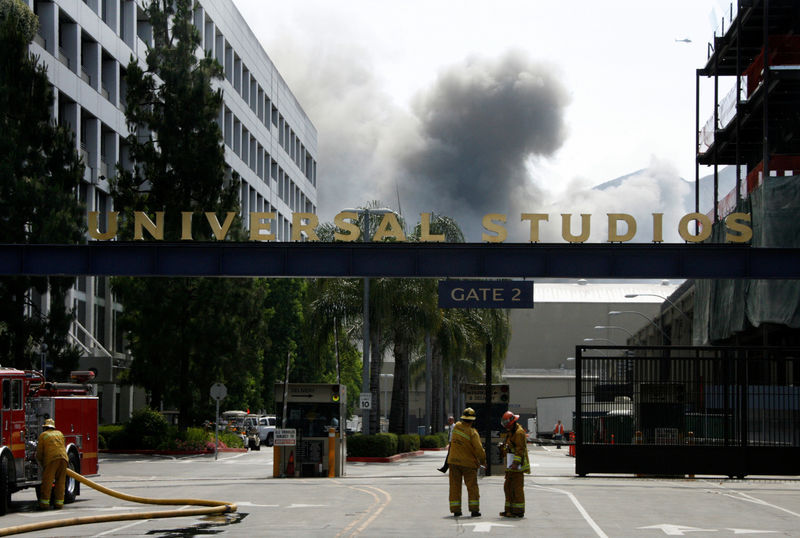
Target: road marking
x=749 y=531
x=595 y=527
x=246 y=503
x=485 y=526
x=372 y=510
x=121 y=528
x=305 y=505
x=749 y=498
x=677 y=530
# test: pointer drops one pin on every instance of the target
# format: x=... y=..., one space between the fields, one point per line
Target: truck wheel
x=270 y=439
x=5 y=491
x=72 y=488
x=256 y=445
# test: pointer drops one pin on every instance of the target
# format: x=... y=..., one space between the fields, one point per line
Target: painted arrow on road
x=485 y=526
x=677 y=530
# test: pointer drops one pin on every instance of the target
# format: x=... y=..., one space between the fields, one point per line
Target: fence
x=687 y=410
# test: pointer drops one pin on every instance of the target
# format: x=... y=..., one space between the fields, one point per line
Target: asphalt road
x=409 y=498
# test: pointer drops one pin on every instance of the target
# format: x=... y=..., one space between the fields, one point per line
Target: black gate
x=687 y=410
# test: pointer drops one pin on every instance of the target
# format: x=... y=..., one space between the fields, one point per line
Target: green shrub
x=107 y=435
x=229 y=439
x=380 y=445
x=147 y=429
x=408 y=442
x=436 y=440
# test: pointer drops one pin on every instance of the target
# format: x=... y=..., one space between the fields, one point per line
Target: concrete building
x=269 y=140
x=540 y=358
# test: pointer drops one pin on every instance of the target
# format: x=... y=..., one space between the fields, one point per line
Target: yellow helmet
x=469 y=414
x=49 y=423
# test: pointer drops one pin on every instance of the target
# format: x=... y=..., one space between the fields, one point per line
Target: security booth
x=311 y=441
x=488 y=420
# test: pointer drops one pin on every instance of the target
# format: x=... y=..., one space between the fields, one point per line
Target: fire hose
x=211 y=507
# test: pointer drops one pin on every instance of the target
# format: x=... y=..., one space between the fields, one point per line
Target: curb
x=437 y=449
x=153 y=452
x=390 y=459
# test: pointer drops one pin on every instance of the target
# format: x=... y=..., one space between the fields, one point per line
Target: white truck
x=550 y=410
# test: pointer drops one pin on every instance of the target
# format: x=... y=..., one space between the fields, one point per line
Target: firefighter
x=515 y=450
x=465 y=457
x=52 y=458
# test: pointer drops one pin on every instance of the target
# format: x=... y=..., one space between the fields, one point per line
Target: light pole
x=365 y=385
x=682 y=313
x=613 y=343
x=604 y=327
x=664 y=338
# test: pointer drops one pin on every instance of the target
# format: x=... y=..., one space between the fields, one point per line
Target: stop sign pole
x=218 y=392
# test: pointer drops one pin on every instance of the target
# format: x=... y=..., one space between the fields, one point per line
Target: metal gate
x=673 y=410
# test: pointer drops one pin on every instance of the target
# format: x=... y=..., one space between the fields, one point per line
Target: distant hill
x=726 y=179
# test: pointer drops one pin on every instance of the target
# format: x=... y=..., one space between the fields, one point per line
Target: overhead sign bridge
x=420 y=260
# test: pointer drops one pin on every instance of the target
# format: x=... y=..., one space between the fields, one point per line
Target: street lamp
x=365 y=385
x=682 y=313
x=613 y=343
x=664 y=338
x=604 y=327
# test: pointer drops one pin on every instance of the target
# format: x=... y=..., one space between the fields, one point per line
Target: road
x=409 y=498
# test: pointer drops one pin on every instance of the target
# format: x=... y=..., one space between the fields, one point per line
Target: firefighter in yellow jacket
x=466 y=455
x=52 y=458
x=515 y=450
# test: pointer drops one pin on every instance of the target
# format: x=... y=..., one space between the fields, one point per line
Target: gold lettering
x=735 y=223
x=613 y=219
x=472 y=294
x=142 y=221
x=298 y=227
x=658 y=227
x=566 y=228
x=341 y=222
x=425 y=230
x=490 y=225
x=705 y=227
x=186 y=225
x=457 y=294
x=261 y=222
x=389 y=227
x=535 y=218
x=111 y=227
x=220 y=231
x=497 y=294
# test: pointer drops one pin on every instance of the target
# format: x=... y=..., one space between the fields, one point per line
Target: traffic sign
x=218 y=391
x=365 y=400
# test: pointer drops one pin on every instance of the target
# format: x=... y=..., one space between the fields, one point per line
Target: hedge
x=436 y=440
x=380 y=445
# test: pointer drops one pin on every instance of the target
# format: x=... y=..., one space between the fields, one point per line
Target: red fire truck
x=27 y=401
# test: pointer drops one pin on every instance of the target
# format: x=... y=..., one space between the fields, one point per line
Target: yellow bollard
x=331 y=452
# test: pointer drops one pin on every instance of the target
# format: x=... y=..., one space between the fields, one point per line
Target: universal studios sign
x=621 y=226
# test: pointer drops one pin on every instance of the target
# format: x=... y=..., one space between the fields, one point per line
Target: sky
x=465 y=108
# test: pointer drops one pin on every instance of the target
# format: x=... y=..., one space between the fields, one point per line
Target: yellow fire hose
x=213 y=507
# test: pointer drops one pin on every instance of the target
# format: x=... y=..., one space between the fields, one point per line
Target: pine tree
x=40 y=172
x=185 y=333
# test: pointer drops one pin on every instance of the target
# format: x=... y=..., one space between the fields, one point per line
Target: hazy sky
x=466 y=108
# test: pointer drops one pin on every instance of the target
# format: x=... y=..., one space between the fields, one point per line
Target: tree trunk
x=437 y=424
x=376 y=362
x=399 y=408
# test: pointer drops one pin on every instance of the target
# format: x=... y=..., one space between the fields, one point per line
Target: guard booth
x=488 y=420
x=312 y=441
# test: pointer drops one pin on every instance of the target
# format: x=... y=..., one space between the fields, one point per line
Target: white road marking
x=595 y=527
x=677 y=530
x=749 y=498
x=305 y=505
x=485 y=526
x=749 y=531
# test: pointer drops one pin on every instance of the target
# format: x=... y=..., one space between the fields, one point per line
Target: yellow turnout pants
x=515 y=493
x=470 y=476
x=54 y=471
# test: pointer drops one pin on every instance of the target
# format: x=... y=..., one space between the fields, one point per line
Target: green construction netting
x=725 y=307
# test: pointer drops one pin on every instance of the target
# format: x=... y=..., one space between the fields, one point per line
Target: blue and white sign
x=485 y=294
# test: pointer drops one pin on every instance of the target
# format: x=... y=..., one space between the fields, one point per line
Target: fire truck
x=27 y=401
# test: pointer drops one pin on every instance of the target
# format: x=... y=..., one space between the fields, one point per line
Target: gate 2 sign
x=485 y=294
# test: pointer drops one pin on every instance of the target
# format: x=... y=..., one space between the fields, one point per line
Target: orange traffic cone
x=290 y=466
x=572 y=445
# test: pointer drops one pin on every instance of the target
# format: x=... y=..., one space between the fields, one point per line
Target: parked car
x=245 y=425
x=266 y=429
